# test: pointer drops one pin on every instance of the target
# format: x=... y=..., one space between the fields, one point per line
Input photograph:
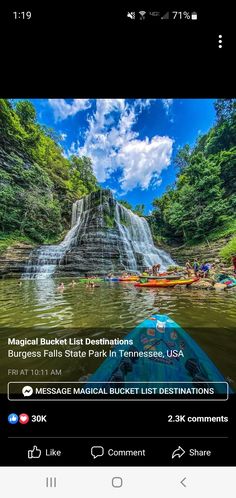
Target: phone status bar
x=143 y=15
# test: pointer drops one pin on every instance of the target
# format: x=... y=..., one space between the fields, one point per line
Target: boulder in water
x=219 y=286
x=202 y=284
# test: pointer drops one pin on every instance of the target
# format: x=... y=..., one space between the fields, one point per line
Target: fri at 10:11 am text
x=36 y=371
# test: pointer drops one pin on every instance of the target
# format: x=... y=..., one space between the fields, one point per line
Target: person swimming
x=91 y=285
x=110 y=275
x=72 y=284
x=61 y=286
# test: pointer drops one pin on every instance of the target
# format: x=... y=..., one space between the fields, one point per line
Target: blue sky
x=132 y=143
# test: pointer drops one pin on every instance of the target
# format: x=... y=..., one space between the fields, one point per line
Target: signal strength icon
x=166 y=16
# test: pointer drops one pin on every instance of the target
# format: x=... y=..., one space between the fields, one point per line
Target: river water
x=37 y=308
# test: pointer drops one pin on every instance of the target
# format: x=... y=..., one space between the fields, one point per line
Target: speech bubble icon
x=97 y=451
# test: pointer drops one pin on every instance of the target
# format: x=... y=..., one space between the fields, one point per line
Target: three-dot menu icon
x=220 y=41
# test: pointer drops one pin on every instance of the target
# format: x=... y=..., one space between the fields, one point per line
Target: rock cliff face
x=202 y=252
x=105 y=237
x=13 y=261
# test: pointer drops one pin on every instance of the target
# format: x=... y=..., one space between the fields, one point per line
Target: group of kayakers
x=199 y=270
x=205 y=269
x=214 y=274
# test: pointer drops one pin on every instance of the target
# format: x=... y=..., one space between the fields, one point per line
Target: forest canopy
x=38 y=183
x=202 y=202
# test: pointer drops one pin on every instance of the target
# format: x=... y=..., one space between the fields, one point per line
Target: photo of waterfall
x=104 y=236
x=117 y=228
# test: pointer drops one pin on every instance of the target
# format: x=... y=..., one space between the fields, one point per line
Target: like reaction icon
x=34 y=453
x=13 y=418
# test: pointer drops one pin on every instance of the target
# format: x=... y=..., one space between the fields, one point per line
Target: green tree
x=81 y=170
x=203 y=199
x=225 y=109
x=182 y=157
x=126 y=204
x=139 y=209
x=37 y=183
x=26 y=112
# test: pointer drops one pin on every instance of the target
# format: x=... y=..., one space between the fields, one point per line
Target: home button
x=117 y=482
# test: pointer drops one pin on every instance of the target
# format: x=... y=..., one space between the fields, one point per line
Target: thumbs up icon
x=34 y=453
x=13 y=418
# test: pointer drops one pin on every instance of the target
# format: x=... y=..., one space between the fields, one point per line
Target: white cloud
x=113 y=145
x=143 y=103
x=63 y=109
x=63 y=136
x=167 y=104
x=103 y=141
x=143 y=161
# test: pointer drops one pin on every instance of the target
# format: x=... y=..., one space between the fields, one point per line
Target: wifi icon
x=142 y=14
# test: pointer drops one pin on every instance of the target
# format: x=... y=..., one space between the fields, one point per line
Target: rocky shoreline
x=210 y=284
x=14 y=260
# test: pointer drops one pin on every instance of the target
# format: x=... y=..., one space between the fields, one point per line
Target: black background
x=95 y=51
x=80 y=50
x=74 y=427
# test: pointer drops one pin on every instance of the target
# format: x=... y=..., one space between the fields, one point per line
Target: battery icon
x=194 y=16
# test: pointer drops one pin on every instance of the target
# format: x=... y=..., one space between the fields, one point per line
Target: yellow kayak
x=129 y=279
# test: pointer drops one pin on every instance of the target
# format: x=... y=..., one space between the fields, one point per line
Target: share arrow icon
x=179 y=452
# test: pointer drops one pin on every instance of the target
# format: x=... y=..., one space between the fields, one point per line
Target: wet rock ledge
x=14 y=259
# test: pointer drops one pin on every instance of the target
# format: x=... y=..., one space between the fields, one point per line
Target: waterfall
x=138 y=238
x=104 y=236
x=128 y=243
x=45 y=259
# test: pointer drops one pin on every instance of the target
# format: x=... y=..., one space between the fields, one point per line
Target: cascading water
x=104 y=236
x=139 y=239
x=128 y=243
x=45 y=259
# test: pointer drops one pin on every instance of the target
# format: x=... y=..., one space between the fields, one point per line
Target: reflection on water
x=38 y=307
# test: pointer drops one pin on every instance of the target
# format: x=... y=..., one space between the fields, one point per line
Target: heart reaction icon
x=23 y=418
